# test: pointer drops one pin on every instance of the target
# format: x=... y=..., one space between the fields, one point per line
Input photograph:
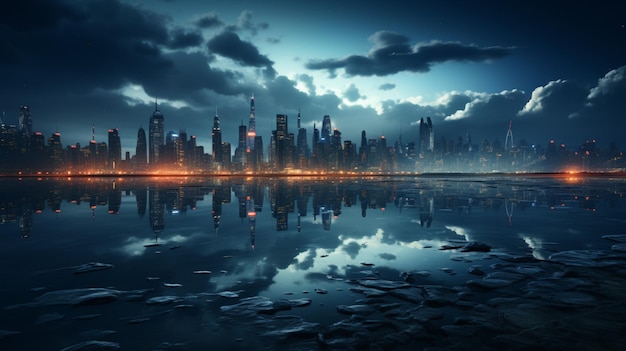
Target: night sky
x=557 y=69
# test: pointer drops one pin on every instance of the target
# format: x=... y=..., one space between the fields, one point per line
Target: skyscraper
x=55 y=149
x=180 y=146
x=326 y=131
x=427 y=139
x=141 y=150
x=251 y=125
x=240 y=151
x=303 y=151
x=281 y=141
x=25 y=121
x=216 y=136
x=157 y=134
x=115 y=148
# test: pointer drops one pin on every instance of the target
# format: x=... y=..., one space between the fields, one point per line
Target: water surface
x=258 y=263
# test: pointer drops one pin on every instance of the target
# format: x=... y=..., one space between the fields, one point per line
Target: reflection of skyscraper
x=157 y=210
x=326 y=217
x=156 y=135
x=281 y=204
x=221 y=195
x=427 y=210
x=141 y=195
x=251 y=219
x=25 y=222
x=115 y=200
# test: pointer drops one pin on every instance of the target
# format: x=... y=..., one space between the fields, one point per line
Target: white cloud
x=607 y=83
x=539 y=96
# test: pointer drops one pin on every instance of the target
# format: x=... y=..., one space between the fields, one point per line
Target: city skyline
x=555 y=72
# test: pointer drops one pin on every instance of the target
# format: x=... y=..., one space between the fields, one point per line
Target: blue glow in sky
x=557 y=69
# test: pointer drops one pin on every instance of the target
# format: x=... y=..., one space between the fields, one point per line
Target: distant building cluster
x=24 y=151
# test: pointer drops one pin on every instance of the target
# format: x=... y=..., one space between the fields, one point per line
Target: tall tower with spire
x=156 y=134
x=216 y=136
x=251 y=125
x=508 y=140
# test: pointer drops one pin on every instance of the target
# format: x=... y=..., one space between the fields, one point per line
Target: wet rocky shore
x=573 y=300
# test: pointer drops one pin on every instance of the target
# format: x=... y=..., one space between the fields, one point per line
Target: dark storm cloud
x=35 y=14
x=197 y=75
x=106 y=45
x=228 y=44
x=244 y=22
x=273 y=40
x=210 y=20
x=352 y=249
x=71 y=70
x=352 y=93
x=387 y=86
x=392 y=54
x=181 y=39
x=387 y=256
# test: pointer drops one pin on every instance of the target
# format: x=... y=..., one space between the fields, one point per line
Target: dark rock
x=476 y=246
x=92 y=267
x=356 y=309
x=475 y=271
x=383 y=284
x=93 y=345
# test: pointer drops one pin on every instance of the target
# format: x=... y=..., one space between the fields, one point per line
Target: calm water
x=198 y=245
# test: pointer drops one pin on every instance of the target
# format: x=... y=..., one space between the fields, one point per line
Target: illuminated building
x=281 y=135
x=192 y=152
x=156 y=135
x=302 y=147
x=115 y=148
x=226 y=164
x=325 y=133
x=251 y=125
x=216 y=137
x=180 y=145
x=55 y=150
x=315 y=156
x=258 y=152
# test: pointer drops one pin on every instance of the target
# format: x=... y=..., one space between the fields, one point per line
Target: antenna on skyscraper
x=298 y=118
x=93 y=131
x=509 y=135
